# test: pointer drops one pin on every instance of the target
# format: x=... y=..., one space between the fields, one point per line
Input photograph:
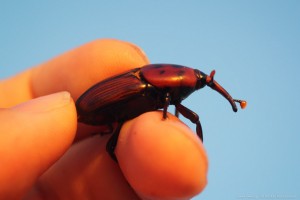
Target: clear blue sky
x=254 y=46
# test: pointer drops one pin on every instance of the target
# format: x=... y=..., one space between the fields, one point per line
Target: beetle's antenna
x=210 y=78
x=242 y=103
x=212 y=74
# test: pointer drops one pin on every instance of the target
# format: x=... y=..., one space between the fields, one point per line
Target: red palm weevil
x=151 y=87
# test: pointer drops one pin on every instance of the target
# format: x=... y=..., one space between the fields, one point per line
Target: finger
x=33 y=136
x=85 y=172
x=74 y=71
x=162 y=159
x=85 y=66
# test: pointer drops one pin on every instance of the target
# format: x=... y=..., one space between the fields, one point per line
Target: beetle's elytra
x=152 y=87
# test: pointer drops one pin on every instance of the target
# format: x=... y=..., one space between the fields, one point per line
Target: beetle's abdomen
x=119 y=98
x=169 y=76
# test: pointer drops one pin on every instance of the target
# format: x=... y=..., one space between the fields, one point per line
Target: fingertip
x=162 y=159
x=34 y=135
x=52 y=121
x=120 y=53
x=104 y=58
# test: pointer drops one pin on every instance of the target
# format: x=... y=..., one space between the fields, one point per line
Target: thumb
x=33 y=135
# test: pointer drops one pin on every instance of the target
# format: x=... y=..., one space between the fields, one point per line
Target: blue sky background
x=253 y=45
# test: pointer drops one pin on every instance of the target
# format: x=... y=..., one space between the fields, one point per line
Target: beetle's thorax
x=167 y=76
x=175 y=80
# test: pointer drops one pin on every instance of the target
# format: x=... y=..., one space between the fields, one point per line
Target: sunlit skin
x=45 y=154
x=172 y=167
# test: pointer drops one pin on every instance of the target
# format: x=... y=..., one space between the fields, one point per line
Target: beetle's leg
x=112 y=142
x=167 y=103
x=192 y=116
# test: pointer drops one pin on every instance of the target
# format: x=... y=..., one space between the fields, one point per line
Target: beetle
x=151 y=87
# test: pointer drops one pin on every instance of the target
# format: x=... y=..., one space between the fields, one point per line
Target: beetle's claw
x=167 y=103
x=165 y=116
x=112 y=142
x=110 y=147
x=199 y=130
x=176 y=113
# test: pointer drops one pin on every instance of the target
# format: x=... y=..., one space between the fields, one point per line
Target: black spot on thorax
x=180 y=72
x=162 y=71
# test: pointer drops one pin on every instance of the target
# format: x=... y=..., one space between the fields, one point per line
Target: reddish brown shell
x=110 y=91
x=167 y=75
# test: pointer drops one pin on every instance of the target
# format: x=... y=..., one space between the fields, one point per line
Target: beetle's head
x=204 y=79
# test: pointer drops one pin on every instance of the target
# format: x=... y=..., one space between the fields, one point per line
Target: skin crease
x=53 y=157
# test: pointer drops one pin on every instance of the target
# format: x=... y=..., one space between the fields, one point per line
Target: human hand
x=45 y=154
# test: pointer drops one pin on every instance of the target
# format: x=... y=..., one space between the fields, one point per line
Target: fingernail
x=45 y=103
x=140 y=52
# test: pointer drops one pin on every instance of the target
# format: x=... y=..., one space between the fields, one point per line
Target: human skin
x=45 y=154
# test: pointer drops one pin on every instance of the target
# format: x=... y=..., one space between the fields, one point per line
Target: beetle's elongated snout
x=216 y=86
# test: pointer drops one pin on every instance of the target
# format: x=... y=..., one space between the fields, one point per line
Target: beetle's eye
x=201 y=79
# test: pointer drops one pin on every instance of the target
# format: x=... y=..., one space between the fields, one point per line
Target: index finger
x=74 y=71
